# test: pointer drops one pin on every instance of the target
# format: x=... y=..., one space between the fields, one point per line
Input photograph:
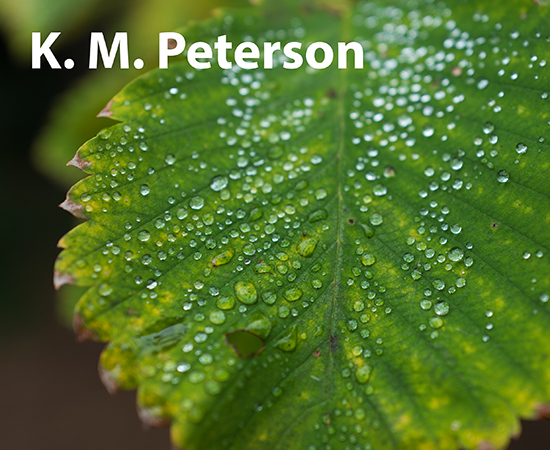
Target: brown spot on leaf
x=76 y=209
x=61 y=279
x=494 y=225
x=317 y=353
x=106 y=111
x=351 y=221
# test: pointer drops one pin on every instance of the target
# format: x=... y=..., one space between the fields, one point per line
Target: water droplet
x=379 y=190
x=307 y=247
x=246 y=292
x=368 y=259
x=144 y=235
x=170 y=159
x=219 y=182
x=223 y=258
x=288 y=341
x=436 y=322
x=426 y=304
x=376 y=219
x=320 y=214
x=277 y=391
x=320 y=194
x=144 y=190
x=503 y=176
x=521 y=148
x=456 y=164
x=456 y=254
x=104 y=289
x=196 y=202
x=225 y=302
x=217 y=317
x=482 y=84
x=368 y=230
x=363 y=373
x=441 y=308
x=293 y=294
x=260 y=325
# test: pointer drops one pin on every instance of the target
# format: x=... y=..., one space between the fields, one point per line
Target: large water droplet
x=503 y=176
x=223 y=258
x=521 y=148
x=363 y=373
x=246 y=292
x=456 y=254
x=104 y=289
x=368 y=259
x=441 y=308
x=287 y=342
x=293 y=294
x=170 y=159
x=144 y=235
x=219 y=182
x=307 y=247
x=196 y=202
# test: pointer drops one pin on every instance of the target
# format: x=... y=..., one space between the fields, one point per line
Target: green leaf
x=332 y=259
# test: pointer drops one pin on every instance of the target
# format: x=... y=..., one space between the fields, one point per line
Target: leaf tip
x=82 y=333
x=106 y=111
x=75 y=209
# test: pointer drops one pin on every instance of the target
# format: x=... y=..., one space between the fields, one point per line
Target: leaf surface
x=331 y=259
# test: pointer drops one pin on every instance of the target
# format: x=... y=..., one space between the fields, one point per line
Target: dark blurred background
x=50 y=393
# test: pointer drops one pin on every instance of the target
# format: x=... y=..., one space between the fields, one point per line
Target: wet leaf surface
x=383 y=231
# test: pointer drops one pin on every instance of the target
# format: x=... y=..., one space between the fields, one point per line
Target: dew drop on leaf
x=219 y=182
x=246 y=292
x=363 y=373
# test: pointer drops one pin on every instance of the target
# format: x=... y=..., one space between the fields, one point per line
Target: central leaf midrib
x=340 y=142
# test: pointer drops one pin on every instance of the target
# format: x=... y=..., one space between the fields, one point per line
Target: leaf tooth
x=82 y=333
x=106 y=111
x=542 y=411
x=78 y=162
x=149 y=420
x=108 y=380
x=76 y=209
x=61 y=279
